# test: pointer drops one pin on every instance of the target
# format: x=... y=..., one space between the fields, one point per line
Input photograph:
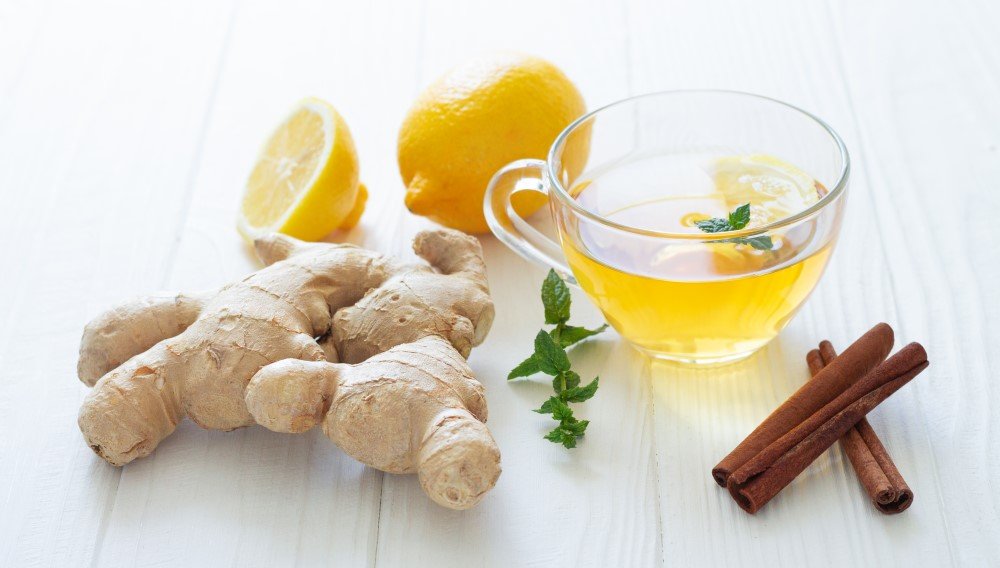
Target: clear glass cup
x=685 y=296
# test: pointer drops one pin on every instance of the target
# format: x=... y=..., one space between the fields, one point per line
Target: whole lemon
x=476 y=119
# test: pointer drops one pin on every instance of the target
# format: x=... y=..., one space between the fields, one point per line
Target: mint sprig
x=737 y=219
x=550 y=358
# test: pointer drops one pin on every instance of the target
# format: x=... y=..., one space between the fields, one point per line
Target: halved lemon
x=305 y=181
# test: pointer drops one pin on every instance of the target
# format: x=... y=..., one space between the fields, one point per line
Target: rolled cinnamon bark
x=872 y=463
x=764 y=474
x=855 y=362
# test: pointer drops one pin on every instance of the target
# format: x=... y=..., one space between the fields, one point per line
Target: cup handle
x=511 y=228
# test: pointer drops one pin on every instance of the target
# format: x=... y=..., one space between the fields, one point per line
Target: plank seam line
x=175 y=246
x=102 y=527
x=200 y=146
x=654 y=450
x=16 y=299
x=23 y=66
x=629 y=70
x=650 y=421
x=418 y=77
x=849 y=99
x=378 y=516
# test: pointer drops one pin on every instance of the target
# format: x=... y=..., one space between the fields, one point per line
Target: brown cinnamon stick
x=874 y=467
x=755 y=482
x=855 y=362
x=815 y=417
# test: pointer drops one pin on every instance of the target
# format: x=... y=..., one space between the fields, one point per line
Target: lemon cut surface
x=305 y=180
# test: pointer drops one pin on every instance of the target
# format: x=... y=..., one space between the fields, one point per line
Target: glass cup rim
x=831 y=196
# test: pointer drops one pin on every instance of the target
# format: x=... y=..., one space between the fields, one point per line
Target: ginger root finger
x=460 y=255
x=408 y=308
x=274 y=247
x=130 y=410
x=132 y=327
x=452 y=252
x=291 y=395
x=414 y=408
x=453 y=303
x=457 y=474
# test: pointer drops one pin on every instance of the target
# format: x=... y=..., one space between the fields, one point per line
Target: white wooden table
x=127 y=130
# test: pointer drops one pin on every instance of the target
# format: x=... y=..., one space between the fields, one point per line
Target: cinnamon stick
x=855 y=362
x=874 y=467
x=822 y=411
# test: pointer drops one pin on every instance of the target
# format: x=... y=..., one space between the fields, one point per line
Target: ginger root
x=372 y=348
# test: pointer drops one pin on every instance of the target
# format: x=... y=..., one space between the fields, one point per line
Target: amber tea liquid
x=694 y=301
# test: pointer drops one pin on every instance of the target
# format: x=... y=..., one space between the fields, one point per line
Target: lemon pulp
x=305 y=180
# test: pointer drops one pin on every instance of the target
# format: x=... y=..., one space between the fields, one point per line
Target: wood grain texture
x=254 y=497
x=597 y=504
x=91 y=141
x=126 y=133
x=791 y=52
x=923 y=116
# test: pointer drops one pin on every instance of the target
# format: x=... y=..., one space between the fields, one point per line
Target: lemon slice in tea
x=774 y=189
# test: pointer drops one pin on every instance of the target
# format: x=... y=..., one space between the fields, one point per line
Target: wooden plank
x=21 y=24
x=926 y=118
x=788 y=51
x=125 y=171
x=101 y=116
x=254 y=497
x=593 y=506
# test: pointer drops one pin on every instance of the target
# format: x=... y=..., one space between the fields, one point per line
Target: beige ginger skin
x=387 y=378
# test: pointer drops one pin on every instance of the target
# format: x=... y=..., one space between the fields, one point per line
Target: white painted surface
x=126 y=132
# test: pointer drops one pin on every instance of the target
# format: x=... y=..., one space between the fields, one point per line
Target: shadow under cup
x=691 y=297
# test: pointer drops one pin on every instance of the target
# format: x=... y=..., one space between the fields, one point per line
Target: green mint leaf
x=547 y=406
x=556 y=333
x=565 y=381
x=737 y=219
x=560 y=410
x=559 y=436
x=555 y=436
x=760 y=243
x=551 y=358
x=713 y=225
x=569 y=441
x=572 y=379
x=525 y=368
x=555 y=298
x=557 y=408
x=740 y=217
x=568 y=432
x=581 y=394
x=570 y=334
x=575 y=428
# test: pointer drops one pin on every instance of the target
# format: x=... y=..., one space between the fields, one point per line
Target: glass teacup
x=632 y=188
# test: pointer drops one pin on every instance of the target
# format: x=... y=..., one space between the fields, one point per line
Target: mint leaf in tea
x=736 y=221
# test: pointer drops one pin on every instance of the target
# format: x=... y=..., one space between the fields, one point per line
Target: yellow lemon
x=305 y=181
x=774 y=189
x=476 y=119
